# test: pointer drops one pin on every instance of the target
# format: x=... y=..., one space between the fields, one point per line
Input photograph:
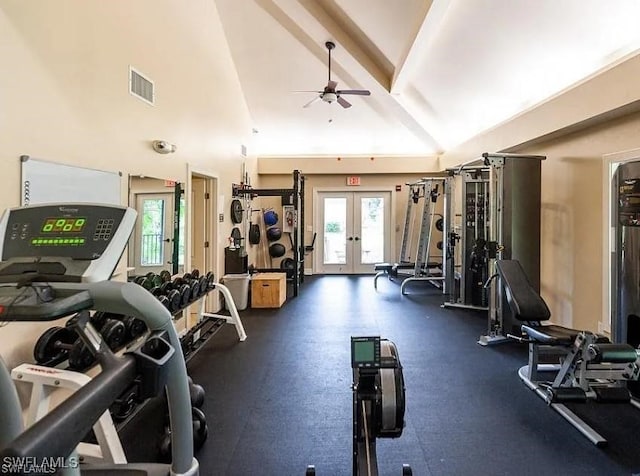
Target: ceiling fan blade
x=309 y=91
x=331 y=85
x=316 y=99
x=343 y=102
x=359 y=92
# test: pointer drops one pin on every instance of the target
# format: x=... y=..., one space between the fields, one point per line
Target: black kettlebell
x=200 y=433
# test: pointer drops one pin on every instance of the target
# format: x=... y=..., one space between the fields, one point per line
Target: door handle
x=357 y=238
x=167 y=240
x=350 y=238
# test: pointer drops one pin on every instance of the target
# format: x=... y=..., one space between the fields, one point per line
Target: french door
x=354 y=229
x=154 y=232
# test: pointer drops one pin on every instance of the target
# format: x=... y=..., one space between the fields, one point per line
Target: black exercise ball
x=277 y=250
x=274 y=233
x=288 y=263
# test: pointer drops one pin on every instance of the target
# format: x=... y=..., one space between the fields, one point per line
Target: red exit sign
x=353 y=180
x=169 y=183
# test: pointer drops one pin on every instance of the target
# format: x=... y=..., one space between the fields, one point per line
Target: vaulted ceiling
x=439 y=71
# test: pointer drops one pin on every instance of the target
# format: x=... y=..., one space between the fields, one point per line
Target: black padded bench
x=587 y=366
x=529 y=307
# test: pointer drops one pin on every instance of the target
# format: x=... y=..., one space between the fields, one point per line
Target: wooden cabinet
x=268 y=290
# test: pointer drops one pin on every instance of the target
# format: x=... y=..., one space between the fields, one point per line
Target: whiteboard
x=46 y=182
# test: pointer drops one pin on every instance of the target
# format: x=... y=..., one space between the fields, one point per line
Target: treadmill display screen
x=81 y=231
x=63 y=225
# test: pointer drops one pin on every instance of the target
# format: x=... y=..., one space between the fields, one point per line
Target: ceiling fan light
x=329 y=97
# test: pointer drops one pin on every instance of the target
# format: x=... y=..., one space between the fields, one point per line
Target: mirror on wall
x=157 y=242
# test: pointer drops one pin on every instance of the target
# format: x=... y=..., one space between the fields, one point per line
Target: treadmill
x=56 y=260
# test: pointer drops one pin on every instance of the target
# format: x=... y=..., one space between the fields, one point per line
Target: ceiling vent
x=140 y=86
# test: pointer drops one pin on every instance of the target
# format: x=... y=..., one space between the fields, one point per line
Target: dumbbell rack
x=208 y=324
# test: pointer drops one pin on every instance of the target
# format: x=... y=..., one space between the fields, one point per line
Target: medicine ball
x=270 y=218
x=277 y=250
x=274 y=233
x=287 y=263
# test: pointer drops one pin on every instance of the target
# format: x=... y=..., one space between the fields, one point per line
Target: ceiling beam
x=350 y=37
x=431 y=18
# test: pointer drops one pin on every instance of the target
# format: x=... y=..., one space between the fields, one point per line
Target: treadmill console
x=63 y=242
x=365 y=352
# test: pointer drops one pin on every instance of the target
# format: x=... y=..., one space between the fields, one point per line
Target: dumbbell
x=59 y=343
x=165 y=276
x=211 y=281
x=149 y=281
x=135 y=327
x=194 y=283
x=124 y=405
x=55 y=345
x=164 y=300
x=177 y=293
x=110 y=327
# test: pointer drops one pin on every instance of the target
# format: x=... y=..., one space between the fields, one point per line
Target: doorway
x=354 y=231
x=153 y=247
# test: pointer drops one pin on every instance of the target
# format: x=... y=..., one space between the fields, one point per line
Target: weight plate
x=147 y=283
x=254 y=234
x=236 y=211
x=166 y=287
x=164 y=300
x=80 y=357
x=113 y=333
x=440 y=224
x=174 y=300
x=203 y=283
x=157 y=291
x=185 y=294
x=210 y=280
x=195 y=273
x=195 y=289
x=165 y=275
x=47 y=347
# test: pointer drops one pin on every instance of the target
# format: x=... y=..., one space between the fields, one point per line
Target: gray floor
x=282 y=399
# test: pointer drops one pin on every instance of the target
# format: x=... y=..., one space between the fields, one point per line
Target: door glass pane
x=372 y=230
x=335 y=229
x=181 y=233
x=151 y=248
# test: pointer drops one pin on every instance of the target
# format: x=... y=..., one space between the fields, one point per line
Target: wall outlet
x=221 y=217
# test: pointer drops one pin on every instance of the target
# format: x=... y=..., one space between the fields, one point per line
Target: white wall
x=64 y=97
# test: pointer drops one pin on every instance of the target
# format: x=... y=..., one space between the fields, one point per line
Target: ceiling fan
x=330 y=93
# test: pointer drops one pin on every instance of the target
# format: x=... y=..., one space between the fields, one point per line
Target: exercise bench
x=580 y=365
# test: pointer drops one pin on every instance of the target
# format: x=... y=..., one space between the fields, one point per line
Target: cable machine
x=466 y=263
x=500 y=204
x=292 y=197
x=428 y=189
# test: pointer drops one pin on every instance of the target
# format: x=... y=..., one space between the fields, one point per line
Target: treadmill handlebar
x=59 y=432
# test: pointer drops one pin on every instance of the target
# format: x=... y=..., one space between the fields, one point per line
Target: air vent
x=140 y=86
x=243 y=150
